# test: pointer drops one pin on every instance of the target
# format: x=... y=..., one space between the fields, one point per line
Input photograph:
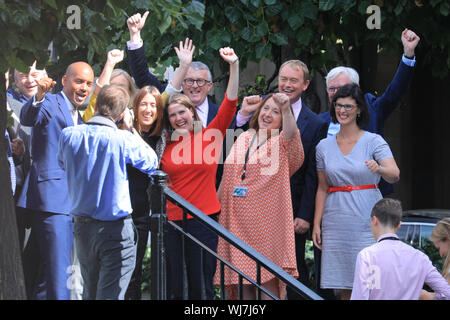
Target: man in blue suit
x=379 y=108
x=45 y=190
x=293 y=80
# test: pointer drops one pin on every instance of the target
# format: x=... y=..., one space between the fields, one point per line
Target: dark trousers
x=29 y=249
x=53 y=234
x=134 y=291
x=175 y=266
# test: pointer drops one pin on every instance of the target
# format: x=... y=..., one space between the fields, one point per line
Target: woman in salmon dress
x=255 y=194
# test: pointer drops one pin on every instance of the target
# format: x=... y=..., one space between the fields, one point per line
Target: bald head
x=77 y=82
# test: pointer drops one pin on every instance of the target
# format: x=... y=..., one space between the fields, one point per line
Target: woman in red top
x=190 y=159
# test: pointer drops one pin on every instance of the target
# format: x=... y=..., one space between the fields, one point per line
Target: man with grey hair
x=196 y=84
x=379 y=107
x=94 y=156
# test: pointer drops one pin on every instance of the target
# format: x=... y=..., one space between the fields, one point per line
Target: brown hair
x=112 y=100
x=254 y=120
x=388 y=211
x=157 y=125
x=184 y=100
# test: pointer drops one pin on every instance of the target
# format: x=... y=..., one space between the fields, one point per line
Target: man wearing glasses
x=379 y=108
x=197 y=82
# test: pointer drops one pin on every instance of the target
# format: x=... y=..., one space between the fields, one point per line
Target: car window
x=425 y=232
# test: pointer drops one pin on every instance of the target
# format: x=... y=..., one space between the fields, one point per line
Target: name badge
x=240 y=191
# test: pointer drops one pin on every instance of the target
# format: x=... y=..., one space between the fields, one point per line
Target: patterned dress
x=346 y=216
x=263 y=219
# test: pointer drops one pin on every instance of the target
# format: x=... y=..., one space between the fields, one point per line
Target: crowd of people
x=80 y=180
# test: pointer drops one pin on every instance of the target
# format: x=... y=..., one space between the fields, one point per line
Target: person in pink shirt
x=391 y=269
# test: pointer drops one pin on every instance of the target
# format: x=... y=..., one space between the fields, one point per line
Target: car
x=416 y=228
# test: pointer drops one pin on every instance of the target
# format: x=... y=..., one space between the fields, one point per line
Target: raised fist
x=228 y=55
x=282 y=100
x=44 y=85
x=250 y=104
x=115 y=56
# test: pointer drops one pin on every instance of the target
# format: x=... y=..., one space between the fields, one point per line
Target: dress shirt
x=73 y=111
x=393 y=270
x=241 y=119
x=95 y=157
x=202 y=112
x=11 y=163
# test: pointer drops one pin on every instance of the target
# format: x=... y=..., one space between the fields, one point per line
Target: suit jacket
x=380 y=108
x=304 y=182
x=45 y=187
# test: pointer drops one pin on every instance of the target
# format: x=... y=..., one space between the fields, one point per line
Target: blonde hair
x=441 y=232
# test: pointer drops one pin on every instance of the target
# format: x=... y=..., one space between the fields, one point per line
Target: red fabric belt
x=350 y=188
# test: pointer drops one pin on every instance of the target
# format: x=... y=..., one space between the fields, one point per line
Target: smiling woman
x=349 y=168
x=195 y=179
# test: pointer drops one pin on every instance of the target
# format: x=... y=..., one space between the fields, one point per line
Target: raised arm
x=184 y=52
x=136 y=55
x=30 y=114
x=114 y=56
x=289 y=125
x=230 y=56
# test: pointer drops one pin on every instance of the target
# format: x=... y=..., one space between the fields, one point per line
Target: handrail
x=160 y=191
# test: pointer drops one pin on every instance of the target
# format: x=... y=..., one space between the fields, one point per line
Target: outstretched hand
x=136 y=22
x=410 y=41
x=228 y=55
x=185 y=51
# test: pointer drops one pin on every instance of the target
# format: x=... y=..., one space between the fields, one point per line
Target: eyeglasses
x=347 y=107
x=333 y=89
x=200 y=82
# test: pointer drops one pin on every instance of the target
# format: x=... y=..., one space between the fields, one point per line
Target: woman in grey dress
x=349 y=167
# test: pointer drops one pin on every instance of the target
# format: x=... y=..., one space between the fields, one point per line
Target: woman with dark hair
x=349 y=167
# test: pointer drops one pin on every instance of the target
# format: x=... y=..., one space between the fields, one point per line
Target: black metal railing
x=160 y=193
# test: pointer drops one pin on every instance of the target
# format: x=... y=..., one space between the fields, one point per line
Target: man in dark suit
x=196 y=84
x=293 y=79
x=379 y=107
x=45 y=190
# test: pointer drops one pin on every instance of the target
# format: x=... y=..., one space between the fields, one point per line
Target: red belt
x=350 y=188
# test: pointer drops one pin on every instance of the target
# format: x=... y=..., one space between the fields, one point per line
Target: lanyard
x=389 y=238
x=248 y=153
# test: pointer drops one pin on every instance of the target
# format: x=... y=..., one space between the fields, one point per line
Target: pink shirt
x=393 y=270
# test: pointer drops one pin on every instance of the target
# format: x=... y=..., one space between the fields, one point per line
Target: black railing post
x=158 y=223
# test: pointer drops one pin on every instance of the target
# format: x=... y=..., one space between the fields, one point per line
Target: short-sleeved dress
x=346 y=216
x=263 y=219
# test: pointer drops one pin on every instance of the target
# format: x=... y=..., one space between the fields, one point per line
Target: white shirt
x=72 y=110
x=202 y=111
